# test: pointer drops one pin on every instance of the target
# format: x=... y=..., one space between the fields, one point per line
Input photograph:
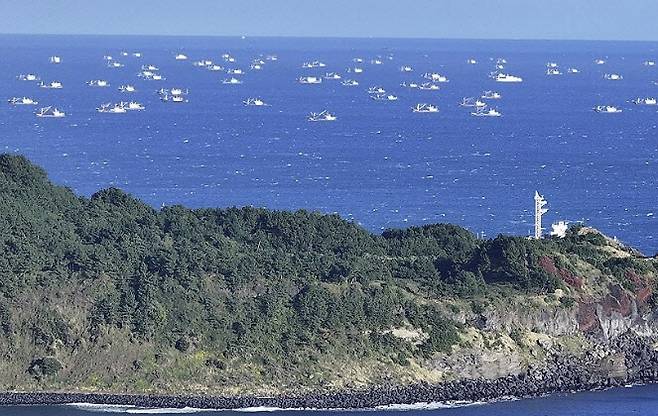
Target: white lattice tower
x=539 y=211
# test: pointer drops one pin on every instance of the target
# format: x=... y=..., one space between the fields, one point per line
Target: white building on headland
x=559 y=229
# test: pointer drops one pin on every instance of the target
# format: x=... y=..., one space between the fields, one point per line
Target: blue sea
x=639 y=400
x=379 y=164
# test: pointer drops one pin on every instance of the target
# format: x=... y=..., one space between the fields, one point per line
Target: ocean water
x=379 y=164
x=638 y=400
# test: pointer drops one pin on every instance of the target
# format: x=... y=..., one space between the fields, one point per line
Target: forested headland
x=109 y=294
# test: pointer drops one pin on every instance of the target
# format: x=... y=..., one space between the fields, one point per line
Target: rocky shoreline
x=628 y=359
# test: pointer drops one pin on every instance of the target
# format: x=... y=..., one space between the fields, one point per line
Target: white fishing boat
x=471 y=61
x=273 y=58
x=55 y=59
x=411 y=85
x=181 y=57
x=124 y=53
x=313 y=64
x=115 y=64
x=332 y=76
x=507 y=78
x=256 y=67
x=111 y=108
x=150 y=67
x=137 y=54
x=491 y=95
x=376 y=61
x=428 y=86
x=645 y=101
x=133 y=106
x=552 y=65
x=50 y=112
x=107 y=57
x=425 y=108
x=376 y=90
x=321 y=116
x=472 y=102
x=501 y=61
x=553 y=71
x=150 y=76
x=599 y=61
x=235 y=71
x=406 y=68
x=22 y=101
x=357 y=60
x=127 y=88
x=215 y=68
x=173 y=98
x=486 y=112
x=350 y=83
x=573 y=71
x=232 y=81
x=435 y=77
x=649 y=63
x=98 y=83
x=28 y=77
x=309 y=80
x=609 y=109
x=254 y=102
x=175 y=91
x=53 y=85
x=613 y=77
x=384 y=97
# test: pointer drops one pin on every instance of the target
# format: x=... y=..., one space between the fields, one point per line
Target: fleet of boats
x=428 y=81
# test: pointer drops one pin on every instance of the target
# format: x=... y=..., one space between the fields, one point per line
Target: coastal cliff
x=105 y=295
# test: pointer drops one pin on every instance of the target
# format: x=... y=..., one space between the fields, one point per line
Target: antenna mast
x=539 y=211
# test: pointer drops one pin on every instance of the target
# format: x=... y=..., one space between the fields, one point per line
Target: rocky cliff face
x=601 y=326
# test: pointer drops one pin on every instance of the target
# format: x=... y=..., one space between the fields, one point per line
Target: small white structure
x=559 y=229
x=540 y=202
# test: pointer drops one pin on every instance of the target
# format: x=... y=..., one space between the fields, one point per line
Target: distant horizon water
x=292 y=37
